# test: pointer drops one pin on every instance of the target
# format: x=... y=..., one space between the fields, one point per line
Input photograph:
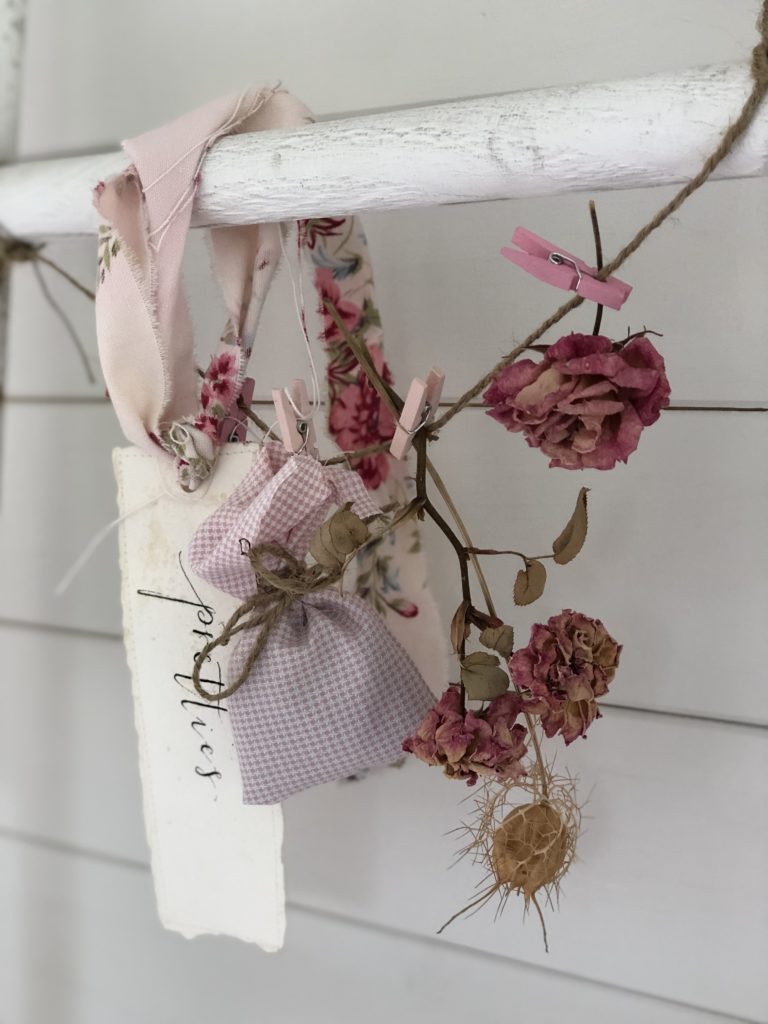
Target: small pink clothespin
x=420 y=407
x=234 y=426
x=295 y=419
x=562 y=269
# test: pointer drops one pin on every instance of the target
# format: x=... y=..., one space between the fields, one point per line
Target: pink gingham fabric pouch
x=332 y=692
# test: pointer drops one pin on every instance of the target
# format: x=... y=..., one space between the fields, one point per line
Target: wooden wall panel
x=80 y=944
x=673 y=563
x=90 y=80
x=448 y=297
x=671 y=821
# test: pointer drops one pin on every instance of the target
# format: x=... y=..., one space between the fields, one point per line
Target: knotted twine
x=276 y=591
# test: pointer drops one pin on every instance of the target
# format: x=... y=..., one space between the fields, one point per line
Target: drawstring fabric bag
x=329 y=691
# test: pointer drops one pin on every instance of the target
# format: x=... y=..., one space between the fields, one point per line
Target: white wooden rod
x=626 y=134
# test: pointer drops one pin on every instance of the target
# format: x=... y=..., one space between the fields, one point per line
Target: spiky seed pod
x=530 y=847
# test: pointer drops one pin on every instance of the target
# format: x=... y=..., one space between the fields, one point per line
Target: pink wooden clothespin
x=420 y=407
x=295 y=418
x=554 y=265
x=234 y=426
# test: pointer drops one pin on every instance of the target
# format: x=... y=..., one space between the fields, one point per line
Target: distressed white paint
x=626 y=134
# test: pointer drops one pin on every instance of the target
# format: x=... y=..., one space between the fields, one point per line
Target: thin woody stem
x=492 y=611
x=387 y=394
x=252 y=416
x=39 y=258
x=508 y=551
x=437 y=480
x=395 y=404
x=598 y=258
x=359 y=453
x=420 y=444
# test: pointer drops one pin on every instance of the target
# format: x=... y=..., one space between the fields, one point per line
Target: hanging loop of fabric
x=143 y=323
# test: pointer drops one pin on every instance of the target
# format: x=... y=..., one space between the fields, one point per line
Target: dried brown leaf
x=337 y=538
x=499 y=638
x=571 y=540
x=459 y=626
x=530 y=581
x=482 y=677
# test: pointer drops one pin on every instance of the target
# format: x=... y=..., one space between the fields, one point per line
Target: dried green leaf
x=337 y=538
x=571 y=540
x=499 y=638
x=482 y=677
x=530 y=581
x=459 y=627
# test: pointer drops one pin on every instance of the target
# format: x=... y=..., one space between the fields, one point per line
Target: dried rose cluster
x=567 y=665
x=586 y=402
x=467 y=744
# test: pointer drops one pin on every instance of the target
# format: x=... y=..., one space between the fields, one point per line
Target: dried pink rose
x=468 y=744
x=567 y=665
x=586 y=403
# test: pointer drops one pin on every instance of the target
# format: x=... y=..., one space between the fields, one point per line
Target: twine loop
x=276 y=590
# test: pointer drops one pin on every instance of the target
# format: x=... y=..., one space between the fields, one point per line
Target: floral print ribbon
x=392 y=571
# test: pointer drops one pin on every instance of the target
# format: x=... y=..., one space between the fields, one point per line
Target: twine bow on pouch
x=318 y=686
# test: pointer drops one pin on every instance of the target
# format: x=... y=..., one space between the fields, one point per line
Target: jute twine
x=759 y=68
x=276 y=591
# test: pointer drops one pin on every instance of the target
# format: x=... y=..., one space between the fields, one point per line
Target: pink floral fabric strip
x=392 y=571
x=343 y=276
x=143 y=324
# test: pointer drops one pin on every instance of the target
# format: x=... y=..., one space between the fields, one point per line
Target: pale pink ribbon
x=143 y=323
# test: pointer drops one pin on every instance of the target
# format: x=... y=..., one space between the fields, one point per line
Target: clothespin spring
x=559 y=259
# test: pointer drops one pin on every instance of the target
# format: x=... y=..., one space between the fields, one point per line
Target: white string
x=184 y=201
x=298 y=302
x=188 y=195
x=222 y=128
x=82 y=560
x=170 y=490
x=261 y=441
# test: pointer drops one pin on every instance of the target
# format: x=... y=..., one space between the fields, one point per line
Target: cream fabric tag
x=216 y=863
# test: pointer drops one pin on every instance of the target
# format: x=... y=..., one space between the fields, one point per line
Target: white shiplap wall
x=665 y=917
